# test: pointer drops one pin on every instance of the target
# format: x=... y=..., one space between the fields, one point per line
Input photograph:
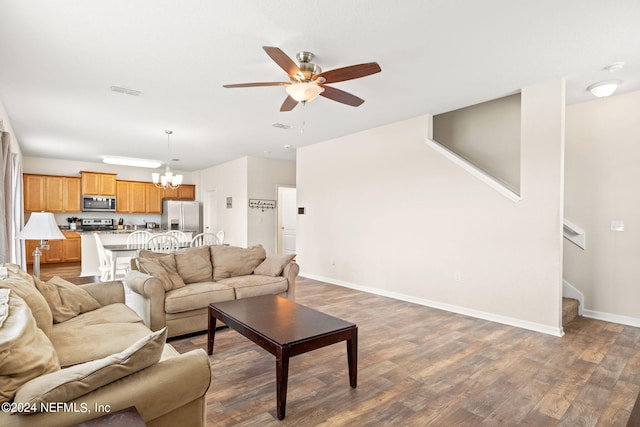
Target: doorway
x=287 y=217
x=209 y=212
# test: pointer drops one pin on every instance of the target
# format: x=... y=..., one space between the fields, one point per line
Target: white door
x=287 y=216
x=209 y=213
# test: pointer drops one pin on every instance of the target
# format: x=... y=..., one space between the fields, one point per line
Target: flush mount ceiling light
x=168 y=180
x=605 y=88
x=139 y=163
x=126 y=90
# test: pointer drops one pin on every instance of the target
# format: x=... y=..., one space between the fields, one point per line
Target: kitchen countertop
x=81 y=231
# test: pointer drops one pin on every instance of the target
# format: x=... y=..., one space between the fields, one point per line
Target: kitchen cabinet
x=98 y=184
x=131 y=197
x=184 y=192
x=51 y=193
x=68 y=250
x=153 y=198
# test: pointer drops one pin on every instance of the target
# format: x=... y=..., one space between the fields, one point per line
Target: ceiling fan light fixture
x=304 y=91
x=603 y=89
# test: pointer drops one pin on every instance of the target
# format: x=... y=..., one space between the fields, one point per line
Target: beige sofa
x=98 y=358
x=174 y=290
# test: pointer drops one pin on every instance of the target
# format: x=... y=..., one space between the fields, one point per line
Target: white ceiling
x=58 y=60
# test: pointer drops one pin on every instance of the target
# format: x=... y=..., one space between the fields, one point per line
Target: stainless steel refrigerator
x=181 y=215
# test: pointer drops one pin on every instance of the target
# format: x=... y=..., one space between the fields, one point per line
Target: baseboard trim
x=613 y=318
x=505 y=320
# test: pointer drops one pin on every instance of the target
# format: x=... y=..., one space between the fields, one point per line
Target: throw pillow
x=194 y=264
x=273 y=265
x=164 y=268
x=25 y=351
x=4 y=305
x=75 y=381
x=26 y=290
x=65 y=299
x=232 y=261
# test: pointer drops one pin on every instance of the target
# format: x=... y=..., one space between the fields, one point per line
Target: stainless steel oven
x=98 y=204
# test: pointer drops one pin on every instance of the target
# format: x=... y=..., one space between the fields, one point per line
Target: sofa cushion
x=253 y=285
x=194 y=264
x=273 y=265
x=69 y=383
x=65 y=299
x=164 y=268
x=232 y=261
x=78 y=344
x=26 y=289
x=196 y=295
x=112 y=313
x=25 y=351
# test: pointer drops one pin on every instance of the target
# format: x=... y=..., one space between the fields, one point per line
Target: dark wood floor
x=420 y=366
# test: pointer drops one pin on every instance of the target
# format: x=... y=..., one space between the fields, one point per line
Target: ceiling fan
x=308 y=81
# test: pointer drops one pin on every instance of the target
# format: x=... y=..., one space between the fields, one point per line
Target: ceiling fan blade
x=281 y=58
x=341 y=96
x=349 y=73
x=288 y=104
x=257 y=84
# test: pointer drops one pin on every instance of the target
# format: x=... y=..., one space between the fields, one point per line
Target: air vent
x=281 y=126
x=126 y=91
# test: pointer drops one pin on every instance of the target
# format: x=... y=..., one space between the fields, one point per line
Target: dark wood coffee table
x=285 y=329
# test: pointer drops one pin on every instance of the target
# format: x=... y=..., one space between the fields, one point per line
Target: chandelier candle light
x=168 y=180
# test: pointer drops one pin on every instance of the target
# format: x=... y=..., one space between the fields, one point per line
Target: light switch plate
x=617 y=225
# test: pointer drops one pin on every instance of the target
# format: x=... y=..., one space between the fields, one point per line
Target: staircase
x=570 y=308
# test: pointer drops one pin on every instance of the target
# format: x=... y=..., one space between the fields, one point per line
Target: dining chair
x=139 y=237
x=204 y=239
x=105 y=258
x=220 y=236
x=182 y=238
x=162 y=243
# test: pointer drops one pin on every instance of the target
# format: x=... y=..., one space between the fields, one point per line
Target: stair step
x=569 y=310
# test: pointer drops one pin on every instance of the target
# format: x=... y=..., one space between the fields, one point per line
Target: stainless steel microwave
x=98 y=204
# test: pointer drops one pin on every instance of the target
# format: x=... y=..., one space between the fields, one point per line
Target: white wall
x=228 y=180
x=387 y=214
x=487 y=135
x=264 y=177
x=602 y=177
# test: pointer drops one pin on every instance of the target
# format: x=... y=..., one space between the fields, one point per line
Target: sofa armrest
x=146 y=298
x=291 y=271
x=106 y=293
x=156 y=392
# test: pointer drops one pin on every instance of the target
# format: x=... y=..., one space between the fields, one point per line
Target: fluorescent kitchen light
x=124 y=161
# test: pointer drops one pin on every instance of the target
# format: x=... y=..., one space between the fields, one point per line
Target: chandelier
x=168 y=180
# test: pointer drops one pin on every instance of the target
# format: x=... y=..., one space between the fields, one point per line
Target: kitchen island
x=90 y=262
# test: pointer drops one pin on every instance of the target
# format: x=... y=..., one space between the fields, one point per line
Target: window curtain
x=6 y=196
x=18 y=246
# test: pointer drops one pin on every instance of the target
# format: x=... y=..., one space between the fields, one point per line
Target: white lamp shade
x=41 y=226
x=304 y=92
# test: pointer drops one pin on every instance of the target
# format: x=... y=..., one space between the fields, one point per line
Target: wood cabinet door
x=137 y=197
x=54 y=194
x=33 y=192
x=90 y=183
x=30 y=246
x=71 y=247
x=107 y=185
x=72 y=194
x=54 y=254
x=122 y=196
x=169 y=193
x=187 y=192
x=153 y=198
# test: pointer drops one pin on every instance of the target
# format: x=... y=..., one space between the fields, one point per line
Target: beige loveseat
x=174 y=290
x=98 y=358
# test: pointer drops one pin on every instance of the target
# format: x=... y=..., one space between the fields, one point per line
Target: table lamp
x=41 y=226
